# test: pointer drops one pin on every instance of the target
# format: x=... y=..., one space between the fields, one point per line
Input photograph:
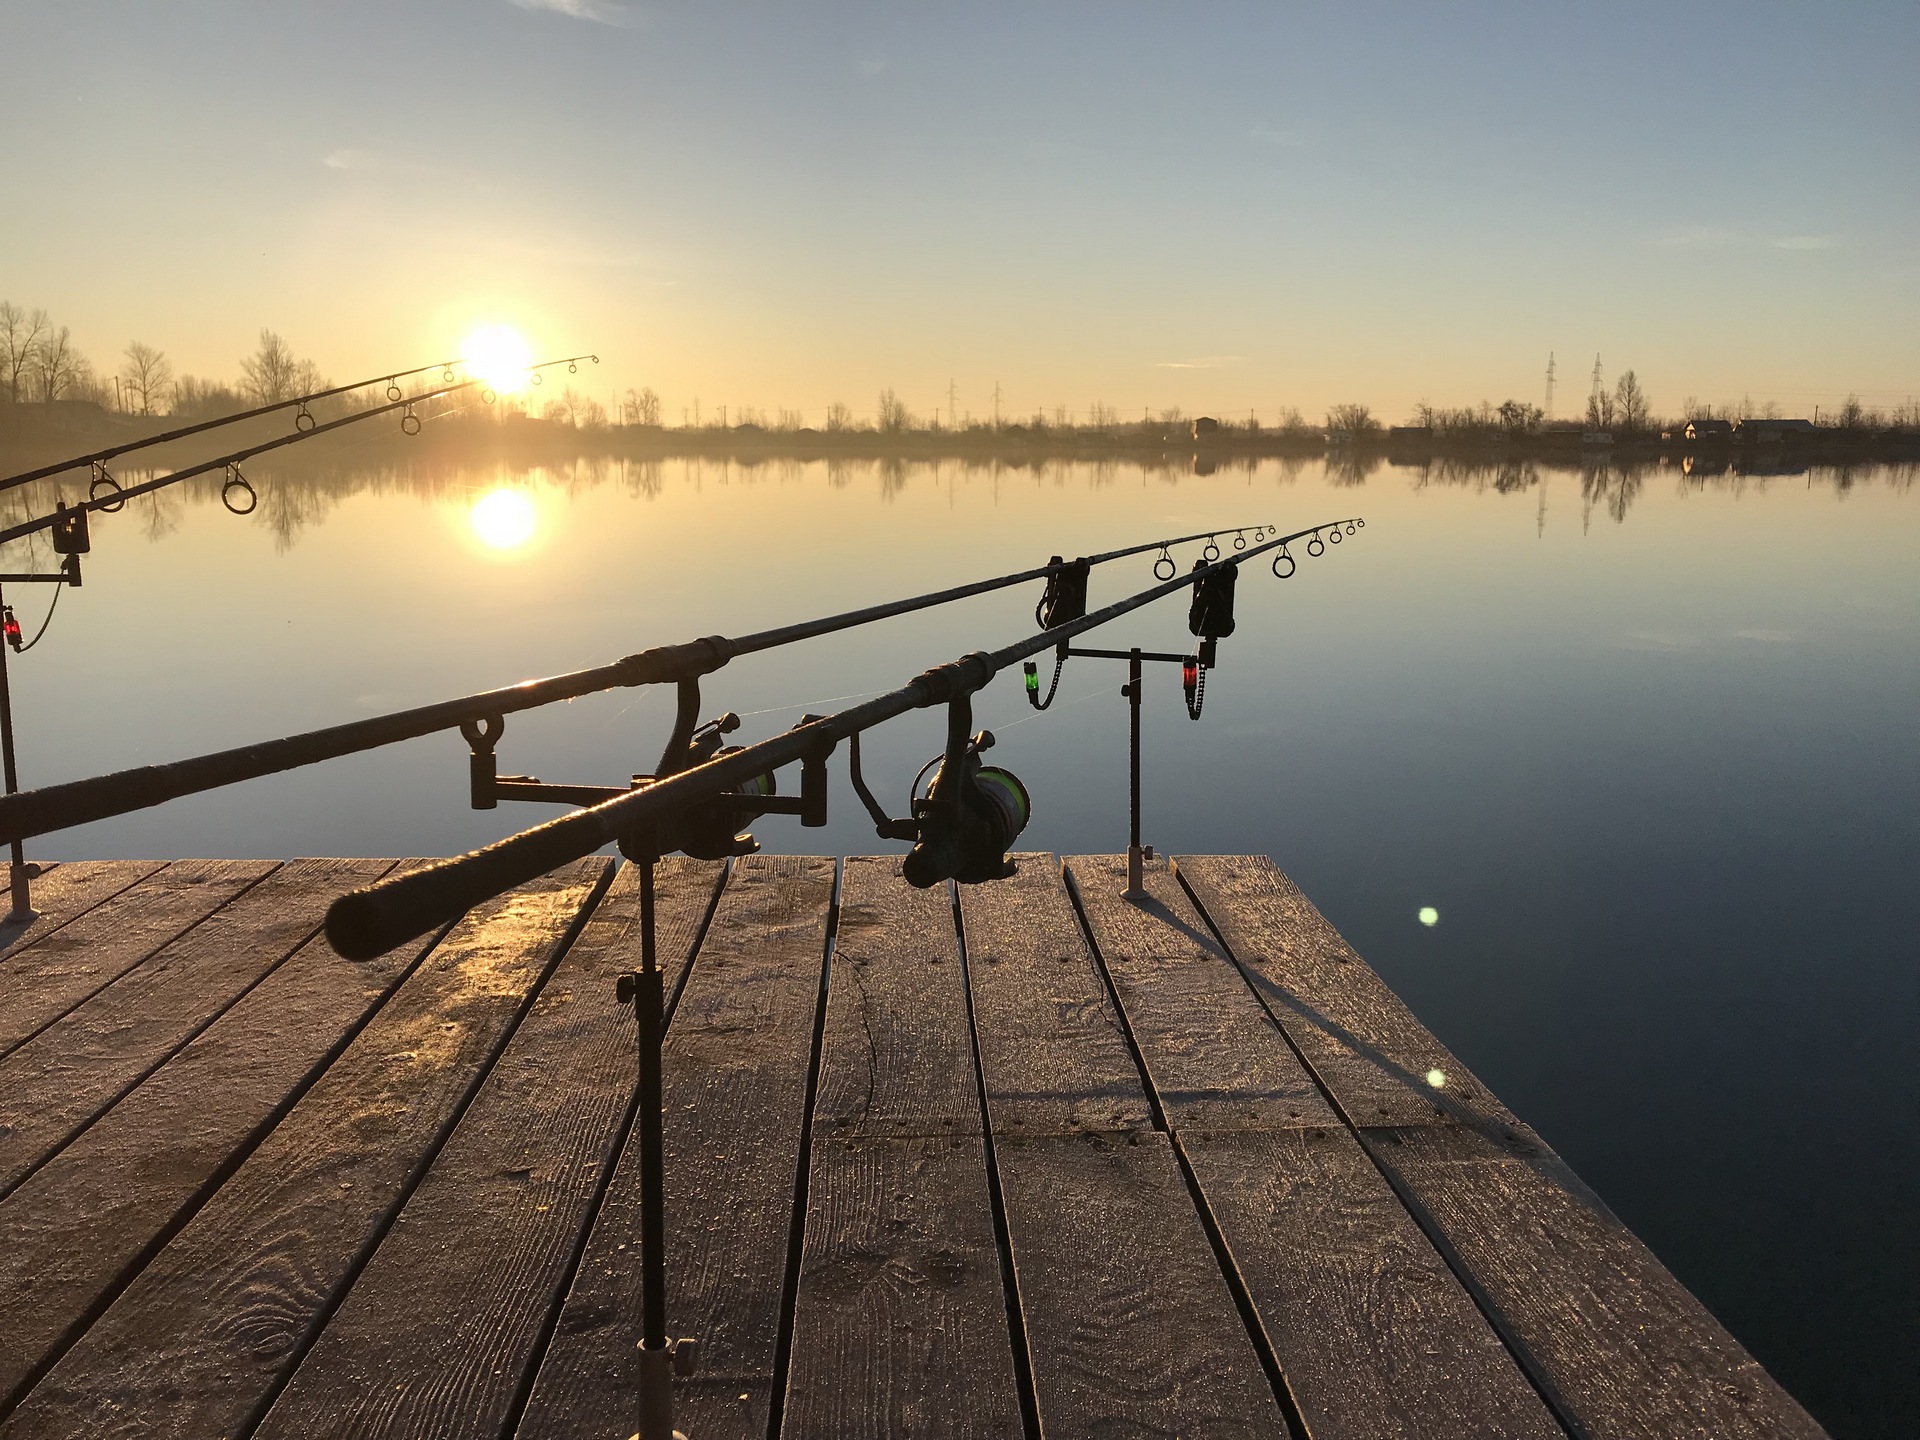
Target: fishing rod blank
x=370 y=921
x=100 y=797
x=123 y=493
x=302 y=401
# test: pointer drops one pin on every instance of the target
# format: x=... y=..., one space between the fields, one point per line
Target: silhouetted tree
x=1630 y=403
x=271 y=371
x=839 y=417
x=640 y=408
x=1519 y=418
x=148 y=377
x=20 y=332
x=56 y=365
x=893 y=413
x=1600 y=410
x=1352 y=420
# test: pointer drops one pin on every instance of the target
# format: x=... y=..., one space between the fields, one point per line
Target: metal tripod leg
x=660 y=1358
x=1136 y=878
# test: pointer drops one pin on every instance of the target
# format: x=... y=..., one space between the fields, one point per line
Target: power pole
x=1549 y=385
x=1596 y=375
x=996 y=404
x=952 y=421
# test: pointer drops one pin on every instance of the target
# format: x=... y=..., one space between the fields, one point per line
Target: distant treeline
x=52 y=395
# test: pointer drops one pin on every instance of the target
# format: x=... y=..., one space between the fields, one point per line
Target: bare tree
x=1352 y=420
x=894 y=415
x=1600 y=410
x=839 y=417
x=563 y=410
x=148 y=377
x=20 y=332
x=1519 y=418
x=56 y=365
x=271 y=371
x=640 y=408
x=1631 y=404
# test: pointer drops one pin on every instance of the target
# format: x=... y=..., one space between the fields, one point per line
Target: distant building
x=1596 y=437
x=1205 y=425
x=1775 y=432
x=1410 y=435
x=1708 y=430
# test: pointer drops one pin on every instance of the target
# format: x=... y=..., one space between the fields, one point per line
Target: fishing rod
x=481 y=716
x=303 y=419
x=119 y=494
x=955 y=827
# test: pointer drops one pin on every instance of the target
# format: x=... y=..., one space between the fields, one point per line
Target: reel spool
x=967 y=821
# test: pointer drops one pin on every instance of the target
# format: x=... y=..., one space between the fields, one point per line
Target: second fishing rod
x=952 y=830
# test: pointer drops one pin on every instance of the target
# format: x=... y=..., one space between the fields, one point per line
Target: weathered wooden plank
x=1131 y=1328
x=68 y=890
x=80 y=1227
x=1615 y=1341
x=1324 y=1249
x=439 y=1331
x=1375 y=1335
x=900 y=1320
x=1216 y=1060
x=1367 y=1048
x=1624 y=1349
x=900 y=1323
x=896 y=1061
x=197 y=1344
x=52 y=1086
x=41 y=981
x=738 y=1052
x=1051 y=1050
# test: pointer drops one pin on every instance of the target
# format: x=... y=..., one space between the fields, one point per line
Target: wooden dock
x=1024 y=1160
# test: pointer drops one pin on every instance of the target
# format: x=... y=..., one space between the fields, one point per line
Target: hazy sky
x=1222 y=207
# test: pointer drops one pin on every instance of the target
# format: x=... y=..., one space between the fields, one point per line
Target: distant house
x=1205 y=425
x=1775 y=432
x=1709 y=430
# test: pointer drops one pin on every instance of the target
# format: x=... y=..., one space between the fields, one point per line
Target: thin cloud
x=600 y=12
x=1284 y=139
x=1807 y=242
x=1206 y=362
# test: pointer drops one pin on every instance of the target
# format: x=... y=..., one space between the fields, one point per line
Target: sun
x=504 y=519
x=500 y=356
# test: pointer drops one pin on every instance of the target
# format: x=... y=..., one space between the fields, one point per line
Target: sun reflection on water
x=504 y=519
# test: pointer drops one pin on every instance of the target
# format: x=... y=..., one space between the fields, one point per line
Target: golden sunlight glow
x=503 y=519
x=499 y=355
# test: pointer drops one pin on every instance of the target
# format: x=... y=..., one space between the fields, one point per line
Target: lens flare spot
x=1429 y=915
x=1437 y=1079
x=503 y=519
x=500 y=356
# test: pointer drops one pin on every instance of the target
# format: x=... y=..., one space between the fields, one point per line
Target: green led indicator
x=1033 y=678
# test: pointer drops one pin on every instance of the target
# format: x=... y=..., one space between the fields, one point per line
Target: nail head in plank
x=896 y=1059
x=737 y=1054
x=1215 y=1057
x=1373 y=1332
x=1052 y=1052
x=43 y=980
x=900 y=1323
x=1130 y=1326
x=1360 y=1038
x=438 y=1333
x=1623 y=1347
x=80 y=1225
x=200 y=1339
x=74 y=1069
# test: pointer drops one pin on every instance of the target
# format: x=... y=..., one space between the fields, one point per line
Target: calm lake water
x=1646 y=743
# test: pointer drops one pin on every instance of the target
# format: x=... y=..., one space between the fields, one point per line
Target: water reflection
x=504 y=519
